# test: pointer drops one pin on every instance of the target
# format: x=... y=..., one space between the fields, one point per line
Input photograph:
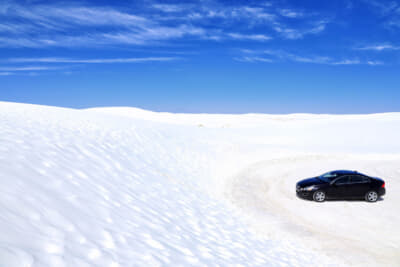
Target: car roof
x=341 y=172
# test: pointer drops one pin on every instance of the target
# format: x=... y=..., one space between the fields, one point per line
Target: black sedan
x=341 y=185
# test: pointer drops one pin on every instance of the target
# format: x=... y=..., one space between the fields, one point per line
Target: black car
x=341 y=185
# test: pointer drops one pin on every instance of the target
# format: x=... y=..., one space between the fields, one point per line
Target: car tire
x=371 y=196
x=319 y=196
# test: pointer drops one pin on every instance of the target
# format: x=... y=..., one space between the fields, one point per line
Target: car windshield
x=328 y=177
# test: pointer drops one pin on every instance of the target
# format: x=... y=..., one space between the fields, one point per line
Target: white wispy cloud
x=73 y=25
x=170 y=7
x=26 y=68
x=65 y=64
x=290 y=33
x=6 y=73
x=146 y=36
x=311 y=59
x=15 y=28
x=291 y=13
x=347 y=62
x=254 y=12
x=253 y=59
x=89 y=61
x=52 y=16
x=383 y=7
x=374 y=62
x=151 y=35
x=380 y=47
x=394 y=23
x=254 y=37
x=26 y=41
x=283 y=55
x=42 y=26
x=280 y=55
x=387 y=10
x=253 y=15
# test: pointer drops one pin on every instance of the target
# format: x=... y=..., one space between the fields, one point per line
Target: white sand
x=128 y=187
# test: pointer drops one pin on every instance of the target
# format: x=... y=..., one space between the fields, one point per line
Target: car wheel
x=319 y=196
x=371 y=196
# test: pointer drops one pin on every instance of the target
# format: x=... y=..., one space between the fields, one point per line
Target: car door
x=338 y=188
x=358 y=186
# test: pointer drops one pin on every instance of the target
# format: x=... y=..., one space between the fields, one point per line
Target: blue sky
x=203 y=56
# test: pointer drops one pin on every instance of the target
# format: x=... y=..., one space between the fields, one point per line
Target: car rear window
x=359 y=179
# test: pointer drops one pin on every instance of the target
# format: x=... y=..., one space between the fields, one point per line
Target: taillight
x=383 y=185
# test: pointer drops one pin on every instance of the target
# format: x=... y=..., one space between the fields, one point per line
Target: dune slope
x=110 y=188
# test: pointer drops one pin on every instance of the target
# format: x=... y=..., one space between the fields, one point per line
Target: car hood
x=310 y=181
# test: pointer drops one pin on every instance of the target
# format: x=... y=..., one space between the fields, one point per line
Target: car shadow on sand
x=343 y=200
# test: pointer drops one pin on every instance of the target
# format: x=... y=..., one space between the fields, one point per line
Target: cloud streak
x=387 y=10
x=26 y=68
x=6 y=73
x=281 y=56
x=254 y=37
x=348 y=62
x=58 y=63
x=253 y=59
x=381 y=47
x=290 y=33
x=41 y=26
x=384 y=8
x=291 y=13
x=91 y=61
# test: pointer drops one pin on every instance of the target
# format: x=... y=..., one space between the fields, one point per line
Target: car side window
x=342 y=180
x=358 y=179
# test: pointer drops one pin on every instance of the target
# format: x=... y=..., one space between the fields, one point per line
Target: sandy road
x=353 y=232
